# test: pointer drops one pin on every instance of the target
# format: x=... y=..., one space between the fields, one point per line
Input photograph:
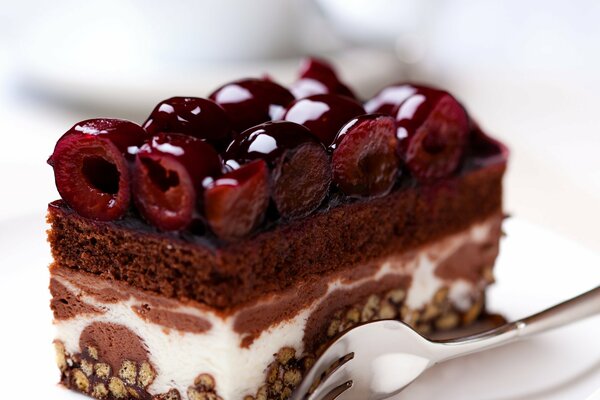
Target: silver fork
x=378 y=359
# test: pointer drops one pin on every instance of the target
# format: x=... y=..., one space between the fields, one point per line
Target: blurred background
x=528 y=71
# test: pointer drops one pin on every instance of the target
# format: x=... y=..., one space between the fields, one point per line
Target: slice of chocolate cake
x=211 y=253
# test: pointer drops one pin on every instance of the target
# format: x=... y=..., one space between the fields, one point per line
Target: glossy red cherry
x=236 y=202
x=365 y=161
x=194 y=116
x=432 y=128
x=167 y=178
x=318 y=77
x=323 y=114
x=91 y=169
x=389 y=98
x=249 y=102
x=301 y=172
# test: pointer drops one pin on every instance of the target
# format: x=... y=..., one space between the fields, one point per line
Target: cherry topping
x=318 y=77
x=301 y=172
x=389 y=98
x=249 y=102
x=365 y=162
x=90 y=166
x=168 y=175
x=432 y=128
x=236 y=202
x=323 y=114
x=194 y=116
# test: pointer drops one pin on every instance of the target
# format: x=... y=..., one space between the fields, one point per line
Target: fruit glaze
x=255 y=152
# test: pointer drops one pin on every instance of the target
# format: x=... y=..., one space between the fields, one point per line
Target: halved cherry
x=236 y=202
x=91 y=169
x=318 y=77
x=167 y=178
x=365 y=162
x=433 y=128
x=323 y=114
x=194 y=116
x=249 y=102
x=301 y=172
x=387 y=100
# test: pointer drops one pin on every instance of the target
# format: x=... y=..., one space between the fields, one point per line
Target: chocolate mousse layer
x=228 y=275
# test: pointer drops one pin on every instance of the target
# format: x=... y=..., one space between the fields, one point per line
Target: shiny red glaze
x=194 y=116
x=168 y=177
x=301 y=172
x=125 y=135
x=364 y=160
x=318 y=77
x=323 y=114
x=90 y=166
x=432 y=130
x=235 y=203
x=249 y=102
x=387 y=100
x=268 y=141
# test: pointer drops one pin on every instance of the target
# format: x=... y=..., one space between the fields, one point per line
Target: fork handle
x=575 y=309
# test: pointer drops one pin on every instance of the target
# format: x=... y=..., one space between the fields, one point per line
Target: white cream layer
x=179 y=357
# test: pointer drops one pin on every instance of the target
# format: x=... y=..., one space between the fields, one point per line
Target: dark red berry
x=318 y=77
x=194 y=116
x=168 y=176
x=91 y=169
x=365 y=161
x=301 y=172
x=249 y=102
x=432 y=128
x=323 y=114
x=390 y=97
x=236 y=202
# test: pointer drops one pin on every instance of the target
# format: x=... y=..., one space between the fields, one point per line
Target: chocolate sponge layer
x=228 y=275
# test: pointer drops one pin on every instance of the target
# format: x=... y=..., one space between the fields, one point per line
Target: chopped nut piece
x=447 y=321
x=370 y=308
x=87 y=367
x=262 y=393
x=146 y=375
x=473 y=312
x=396 y=296
x=93 y=352
x=277 y=386
x=292 y=377
x=100 y=391
x=133 y=393
x=273 y=372
x=353 y=315
x=80 y=381
x=128 y=372
x=102 y=370
x=117 y=388
x=285 y=355
x=206 y=381
x=286 y=393
x=172 y=394
x=61 y=355
x=431 y=311
x=334 y=328
x=387 y=311
x=441 y=295
x=308 y=362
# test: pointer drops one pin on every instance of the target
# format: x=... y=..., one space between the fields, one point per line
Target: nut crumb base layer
x=115 y=341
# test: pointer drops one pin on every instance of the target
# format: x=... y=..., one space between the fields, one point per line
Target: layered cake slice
x=212 y=252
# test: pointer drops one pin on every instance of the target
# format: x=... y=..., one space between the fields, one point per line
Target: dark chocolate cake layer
x=225 y=276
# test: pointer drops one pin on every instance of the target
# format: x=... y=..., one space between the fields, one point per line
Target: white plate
x=536 y=269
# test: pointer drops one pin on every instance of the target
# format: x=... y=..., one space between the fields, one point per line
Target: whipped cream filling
x=179 y=357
